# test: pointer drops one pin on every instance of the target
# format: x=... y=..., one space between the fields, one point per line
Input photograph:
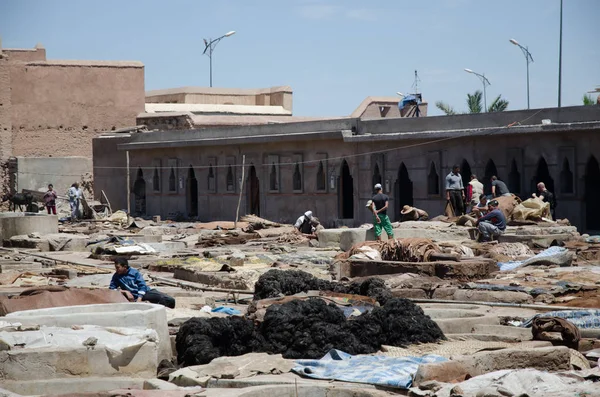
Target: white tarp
x=115 y=339
x=530 y=382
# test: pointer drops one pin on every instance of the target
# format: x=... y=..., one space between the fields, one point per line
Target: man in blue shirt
x=492 y=224
x=132 y=285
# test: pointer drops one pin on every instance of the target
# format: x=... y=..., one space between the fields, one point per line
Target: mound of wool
x=275 y=283
x=373 y=287
x=200 y=340
x=309 y=329
x=305 y=329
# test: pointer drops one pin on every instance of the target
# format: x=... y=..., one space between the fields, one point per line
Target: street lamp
x=528 y=58
x=485 y=82
x=210 y=46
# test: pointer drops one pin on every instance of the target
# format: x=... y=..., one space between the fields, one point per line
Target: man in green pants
x=379 y=209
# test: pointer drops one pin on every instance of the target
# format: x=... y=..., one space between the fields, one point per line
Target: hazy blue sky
x=332 y=53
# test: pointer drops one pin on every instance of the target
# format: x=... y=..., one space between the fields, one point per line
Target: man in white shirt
x=74 y=195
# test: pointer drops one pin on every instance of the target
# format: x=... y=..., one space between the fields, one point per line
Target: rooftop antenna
x=416 y=83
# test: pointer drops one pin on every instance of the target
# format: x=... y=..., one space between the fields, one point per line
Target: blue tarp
x=409 y=100
x=547 y=253
x=227 y=310
x=377 y=370
x=584 y=319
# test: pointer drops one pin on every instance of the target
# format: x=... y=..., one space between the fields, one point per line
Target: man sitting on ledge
x=493 y=224
x=132 y=285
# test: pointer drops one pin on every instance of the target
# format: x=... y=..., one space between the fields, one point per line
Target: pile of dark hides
x=276 y=283
x=305 y=329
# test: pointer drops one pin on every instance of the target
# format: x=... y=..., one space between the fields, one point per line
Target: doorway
x=345 y=193
x=403 y=191
x=192 y=193
x=253 y=192
x=542 y=174
x=139 y=194
x=592 y=192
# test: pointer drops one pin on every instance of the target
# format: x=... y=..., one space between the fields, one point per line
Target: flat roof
x=216 y=109
x=219 y=91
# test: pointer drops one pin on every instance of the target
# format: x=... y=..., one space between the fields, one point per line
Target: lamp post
x=528 y=58
x=210 y=46
x=485 y=82
x=560 y=55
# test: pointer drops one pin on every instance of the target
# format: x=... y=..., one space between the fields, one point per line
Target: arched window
x=273 y=185
x=297 y=178
x=433 y=180
x=211 y=185
x=514 y=178
x=376 y=175
x=566 y=178
x=230 y=183
x=172 y=181
x=156 y=180
x=321 y=181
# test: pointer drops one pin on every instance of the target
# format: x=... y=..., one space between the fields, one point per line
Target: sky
x=332 y=53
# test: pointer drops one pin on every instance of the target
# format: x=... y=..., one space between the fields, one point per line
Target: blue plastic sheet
x=386 y=371
x=227 y=310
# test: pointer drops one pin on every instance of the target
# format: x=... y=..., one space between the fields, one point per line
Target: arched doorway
x=345 y=192
x=139 y=194
x=542 y=174
x=490 y=171
x=191 y=193
x=253 y=192
x=592 y=192
x=403 y=191
x=465 y=173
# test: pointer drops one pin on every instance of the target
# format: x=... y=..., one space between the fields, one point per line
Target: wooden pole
x=128 y=188
x=237 y=212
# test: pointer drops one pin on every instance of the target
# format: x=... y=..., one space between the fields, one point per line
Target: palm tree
x=474 y=104
x=588 y=100
x=498 y=105
x=444 y=107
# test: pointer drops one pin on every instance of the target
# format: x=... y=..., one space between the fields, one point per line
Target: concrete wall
x=19 y=223
x=331 y=142
x=57 y=108
x=36 y=173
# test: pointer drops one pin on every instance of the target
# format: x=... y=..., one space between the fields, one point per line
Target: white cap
x=378 y=186
x=308 y=214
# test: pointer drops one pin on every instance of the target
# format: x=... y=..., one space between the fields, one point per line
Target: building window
x=156 y=180
x=297 y=178
x=566 y=178
x=383 y=110
x=273 y=185
x=433 y=180
x=230 y=185
x=321 y=181
x=172 y=181
x=211 y=179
